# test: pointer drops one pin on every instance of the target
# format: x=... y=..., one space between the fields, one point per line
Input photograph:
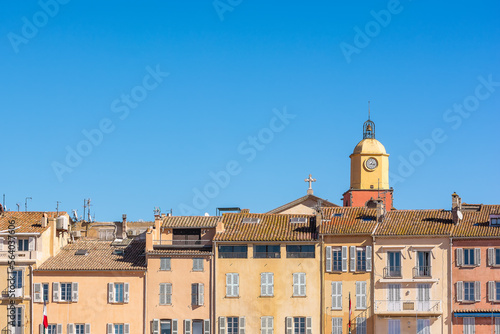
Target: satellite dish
x=460 y=215
x=206 y=214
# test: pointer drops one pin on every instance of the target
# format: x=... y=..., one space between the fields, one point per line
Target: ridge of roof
x=300 y=200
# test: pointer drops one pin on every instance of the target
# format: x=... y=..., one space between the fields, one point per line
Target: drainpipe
x=31 y=299
x=450 y=285
x=322 y=282
x=213 y=285
x=145 y=296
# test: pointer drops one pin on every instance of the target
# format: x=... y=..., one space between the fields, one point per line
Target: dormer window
x=248 y=220
x=298 y=220
x=495 y=220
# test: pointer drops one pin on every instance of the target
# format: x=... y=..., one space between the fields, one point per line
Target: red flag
x=45 y=321
x=350 y=311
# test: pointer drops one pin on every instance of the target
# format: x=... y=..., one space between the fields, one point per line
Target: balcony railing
x=408 y=306
x=202 y=243
x=19 y=255
x=392 y=272
x=267 y=255
x=421 y=271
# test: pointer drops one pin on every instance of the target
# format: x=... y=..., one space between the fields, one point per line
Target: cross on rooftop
x=310 y=180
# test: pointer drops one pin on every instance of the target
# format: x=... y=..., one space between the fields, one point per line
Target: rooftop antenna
x=368 y=110
x=88 y=210
x=18 y=205
x=4 y=201
x=26 y=203
x=75 y=215
x=57 y=207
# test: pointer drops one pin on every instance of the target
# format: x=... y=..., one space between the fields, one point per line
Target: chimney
x=456 y=208
x=44 y=220
x=124 y=225
x=380 y=210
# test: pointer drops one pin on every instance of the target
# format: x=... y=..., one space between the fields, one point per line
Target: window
x=118 y=293
x=497 y=257
x=17 y=278
x=299 y=284
x=423 y=297
x=497 y=289
x=197 y=294
x=267 y=284
x=165 y=263
x=360 y=325
x=394 y=326
x=118 y=329
x=361 y=259
x=469 y=291
x=65 y=292
x=197 y=264
x=360 y=295
x=469 y=258
x=423 y=326
x=165 y=293
x=232 y=325
x=233 y=252
x=266 y=325
x=497 y=325
x=469 y=324
x=394 y=264
x=394 y=297
x=494 y=221
x=300 y=251
x=45 y=287
x=79 y=328
x=232 y=285
x=423 y=264
x=51 y=329
x=165 y=327
x=18 y=319
x=336 y=325
x=336 y=295
x=23 y=245
x=266 y=251
x=299 y=325
x=337 y=259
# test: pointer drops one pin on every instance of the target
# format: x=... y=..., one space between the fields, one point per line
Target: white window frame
x=361 y=295
x=336 y=295
x=232 y=285
x=197 y=294
x=360 y=325
x=267 y=284
x=336 y=325
x=469 y=324
x=198 y=264
x=299 y=284
x=165 y=293
x=165 y=264
x=423 y=326
x=266 y=325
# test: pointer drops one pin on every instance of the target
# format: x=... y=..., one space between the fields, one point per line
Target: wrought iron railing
x=421 y=271
x=392 y=272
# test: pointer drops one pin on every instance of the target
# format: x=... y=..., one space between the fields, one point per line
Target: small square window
x=197 y=264
x=165 y=263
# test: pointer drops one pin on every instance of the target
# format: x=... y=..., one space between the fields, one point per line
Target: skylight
x=297 y=220
x=248 y=220
x=495 y=220
x=81 y=252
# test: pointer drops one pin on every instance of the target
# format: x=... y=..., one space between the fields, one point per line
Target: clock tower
x=369 y=171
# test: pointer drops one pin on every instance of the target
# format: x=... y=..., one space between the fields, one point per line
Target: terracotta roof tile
x=284 y=207
x=348 y=220
x=416 y=222
x=28 y=222
x=476 y=223
x=100 y=257
x=271 y=227
x=190 y=221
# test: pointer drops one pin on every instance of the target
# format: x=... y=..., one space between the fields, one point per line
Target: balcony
x=408 y=307
x=392 y=272
x=422 y=272
x=182 y=243
x=20 y=256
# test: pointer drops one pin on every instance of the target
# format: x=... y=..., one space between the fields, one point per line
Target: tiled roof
x=476 y=223
x=197 y=252
x=271 y=227
x=477 y=310
x=100 y=257
x=29 y=222
x=415 y=222
x=348 y=220
x=284 y=207
x=190 y=221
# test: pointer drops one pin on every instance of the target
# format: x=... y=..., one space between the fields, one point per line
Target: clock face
x=371 y=163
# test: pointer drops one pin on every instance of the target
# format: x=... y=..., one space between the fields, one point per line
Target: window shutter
x=363 y=294
x=352 y=263
x=194 y=294
x=263 y=325
x=156 y=326
x=125 y=292
x=59 y=329
x=328 y=258
x=168 y=291
x=74 y=292
x=477 y=291
x=491 y=256
x=295 y=284
x=229 y=284
x=459 y=257
x=37 y=292
x=31 y=243
x=126 y=328
x=289 y=325
x=270 y=284
x=241 y=322
x=339 y=294
x=358 y=294
x=460 y=291
x=22 y=319
x=206 y=325
x=71 y=328
x=497 y=325
x=236 y=284
x=263 y=284
x=1 y=243
x=477 y=256
x=368 y=258
x=187 y=326
x=110 y=329
x=222 y=325
x=308 y=325
x=334 y=295
x=201 y=294
x=55 y=291
x=165 y=263
x=491 y=291
x=40 y=329
x=87 y=328
x=111 y=292
x=163 y=294
x=174 y=326
x=302 y=284
x=344 y=258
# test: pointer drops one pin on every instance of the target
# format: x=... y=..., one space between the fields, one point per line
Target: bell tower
x=369 y=171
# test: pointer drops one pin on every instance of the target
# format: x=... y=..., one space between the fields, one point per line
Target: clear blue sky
x=231 y=70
